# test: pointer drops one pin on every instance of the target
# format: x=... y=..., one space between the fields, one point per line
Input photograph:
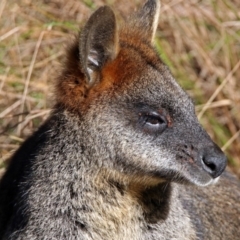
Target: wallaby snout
x=202 y=159
x=213 y=160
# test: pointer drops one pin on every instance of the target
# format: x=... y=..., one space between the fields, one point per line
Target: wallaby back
x=122 y=154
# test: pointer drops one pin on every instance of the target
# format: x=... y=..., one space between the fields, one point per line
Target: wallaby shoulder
x=18 y=172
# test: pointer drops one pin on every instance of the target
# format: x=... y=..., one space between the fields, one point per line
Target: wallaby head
x=139 y=120
x=122 y=130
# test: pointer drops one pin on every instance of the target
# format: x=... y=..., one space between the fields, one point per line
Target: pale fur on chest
x=120 y=217
x=116 y=213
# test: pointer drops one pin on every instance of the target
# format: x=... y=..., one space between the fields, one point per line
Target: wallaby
x=122 y=155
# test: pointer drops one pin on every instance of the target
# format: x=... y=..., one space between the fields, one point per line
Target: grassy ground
x=199 y=40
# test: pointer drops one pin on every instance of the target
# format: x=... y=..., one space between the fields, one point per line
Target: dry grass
x=199 y=40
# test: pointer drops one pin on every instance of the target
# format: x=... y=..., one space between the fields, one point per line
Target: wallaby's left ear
x=147 y=18
x=98 y=43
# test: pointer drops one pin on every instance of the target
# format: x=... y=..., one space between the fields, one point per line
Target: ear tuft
x=98 y=43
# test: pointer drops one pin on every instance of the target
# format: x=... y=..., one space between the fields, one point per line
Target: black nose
x=213 y=160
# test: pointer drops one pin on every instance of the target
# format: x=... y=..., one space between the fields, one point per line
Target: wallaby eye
x=153 y=122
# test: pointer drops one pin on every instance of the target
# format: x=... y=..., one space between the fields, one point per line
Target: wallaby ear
x=147 y=18
x=98 y=43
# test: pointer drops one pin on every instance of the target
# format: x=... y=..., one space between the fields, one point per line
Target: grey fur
x=103 y=166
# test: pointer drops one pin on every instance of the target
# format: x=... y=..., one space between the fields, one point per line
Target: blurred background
x=198 y=40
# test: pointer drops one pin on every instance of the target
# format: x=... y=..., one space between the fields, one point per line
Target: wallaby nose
x=213 y=160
